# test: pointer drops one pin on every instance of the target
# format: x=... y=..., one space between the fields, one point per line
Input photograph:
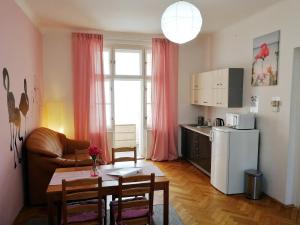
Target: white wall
x=232 y=47
x=58 y=80
x=193 y=58
x=294 y=129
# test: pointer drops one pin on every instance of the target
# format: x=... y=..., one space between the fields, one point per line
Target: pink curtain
x=165 y=95
x=88 y=84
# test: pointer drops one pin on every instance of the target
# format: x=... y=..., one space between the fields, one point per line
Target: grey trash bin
x=253 y=184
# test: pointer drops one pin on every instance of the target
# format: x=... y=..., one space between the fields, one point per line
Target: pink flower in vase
x=94 y=151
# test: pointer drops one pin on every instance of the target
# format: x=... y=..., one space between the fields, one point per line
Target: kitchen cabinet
x=219 y=88
x=220 y=97
x=220 y=78
x=195 y=81
x=195 y=97
x=196 y=148
x=205 y=97
x=201 y=91
x=195 y=90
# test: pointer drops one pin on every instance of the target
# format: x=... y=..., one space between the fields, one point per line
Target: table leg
x=50 y=210
x=166 y=204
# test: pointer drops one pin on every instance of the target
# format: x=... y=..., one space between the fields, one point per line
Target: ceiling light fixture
x=181 y=22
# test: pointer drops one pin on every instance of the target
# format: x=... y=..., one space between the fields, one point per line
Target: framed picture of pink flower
x=265 y=60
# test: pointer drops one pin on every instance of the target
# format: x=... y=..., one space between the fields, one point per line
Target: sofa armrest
x=72 y=145
x=61 y=162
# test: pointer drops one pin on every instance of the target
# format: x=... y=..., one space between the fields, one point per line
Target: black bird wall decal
x=14 y=115
x=24 y=103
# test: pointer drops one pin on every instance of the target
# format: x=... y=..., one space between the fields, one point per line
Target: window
x=106 y=61
x=148 y=62
x=149 y=104
x=148 y=88
x=126 y=57
x=107 y=89
x=128 y=94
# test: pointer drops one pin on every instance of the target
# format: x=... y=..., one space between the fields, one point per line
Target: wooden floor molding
x=198 y=203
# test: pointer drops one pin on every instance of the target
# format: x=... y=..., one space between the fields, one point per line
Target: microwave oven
x=240 y=121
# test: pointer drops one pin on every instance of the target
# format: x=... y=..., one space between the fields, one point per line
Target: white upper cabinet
x=221 y=78
x=205 y=92
x=195 y=81
x=220 y=88
x=194 y=89
x=220 y=97
x=195 y=97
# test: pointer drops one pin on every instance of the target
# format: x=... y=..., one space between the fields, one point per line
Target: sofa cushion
x=45 y=142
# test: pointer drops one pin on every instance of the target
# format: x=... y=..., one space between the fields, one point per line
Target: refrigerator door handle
x=211 y=136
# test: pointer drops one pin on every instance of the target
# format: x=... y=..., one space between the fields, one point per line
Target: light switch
x=275 y=103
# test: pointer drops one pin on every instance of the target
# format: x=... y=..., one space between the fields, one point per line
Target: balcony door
x=128 y=95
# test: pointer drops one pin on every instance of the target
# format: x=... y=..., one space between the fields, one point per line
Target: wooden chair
x=134 y=210
x=123 y=159
x=81 y=203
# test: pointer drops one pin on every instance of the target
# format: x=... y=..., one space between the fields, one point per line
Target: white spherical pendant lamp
x=181 y=22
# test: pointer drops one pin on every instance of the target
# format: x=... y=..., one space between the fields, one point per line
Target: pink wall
x=21 y=54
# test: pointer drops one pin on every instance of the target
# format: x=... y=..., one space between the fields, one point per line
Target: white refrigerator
x=233 y=152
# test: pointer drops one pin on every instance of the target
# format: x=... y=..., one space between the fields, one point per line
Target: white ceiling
x=140 y=16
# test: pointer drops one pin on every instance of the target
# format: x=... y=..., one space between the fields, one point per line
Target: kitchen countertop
x=202 y=130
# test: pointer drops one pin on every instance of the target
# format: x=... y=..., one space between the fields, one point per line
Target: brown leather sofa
x=47 y=150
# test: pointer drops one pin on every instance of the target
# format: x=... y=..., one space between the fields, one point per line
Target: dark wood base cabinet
x=196 y=148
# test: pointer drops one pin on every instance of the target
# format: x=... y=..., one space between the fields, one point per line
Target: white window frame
x=143 y=77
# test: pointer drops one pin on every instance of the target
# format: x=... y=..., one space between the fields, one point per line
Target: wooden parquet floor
x=198 y=203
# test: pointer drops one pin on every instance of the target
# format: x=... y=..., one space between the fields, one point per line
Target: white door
x=220 y=160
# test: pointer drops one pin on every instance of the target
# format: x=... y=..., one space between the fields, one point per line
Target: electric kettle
x=219 y=122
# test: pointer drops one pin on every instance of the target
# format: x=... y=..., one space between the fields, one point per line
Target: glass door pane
x=107 y=89
x=128 y=62
x=106 y=61
x=149 y=62
x=128 y=114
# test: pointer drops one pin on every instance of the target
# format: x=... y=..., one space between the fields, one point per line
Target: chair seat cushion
x=85 y=216
x=82 y=217
x=130 y=213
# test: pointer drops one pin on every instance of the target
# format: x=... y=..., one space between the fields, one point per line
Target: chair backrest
x=138 y=185
x=81 y=190
x=82 y=156
x=122 y=158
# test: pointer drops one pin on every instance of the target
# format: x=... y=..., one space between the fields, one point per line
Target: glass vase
x=94 y=170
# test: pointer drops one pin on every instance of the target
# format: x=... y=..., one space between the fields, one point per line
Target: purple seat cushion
x=82 y=217
x=85 y=216
x=130 y=213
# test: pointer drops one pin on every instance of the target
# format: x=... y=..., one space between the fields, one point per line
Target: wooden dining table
x=109 y=185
